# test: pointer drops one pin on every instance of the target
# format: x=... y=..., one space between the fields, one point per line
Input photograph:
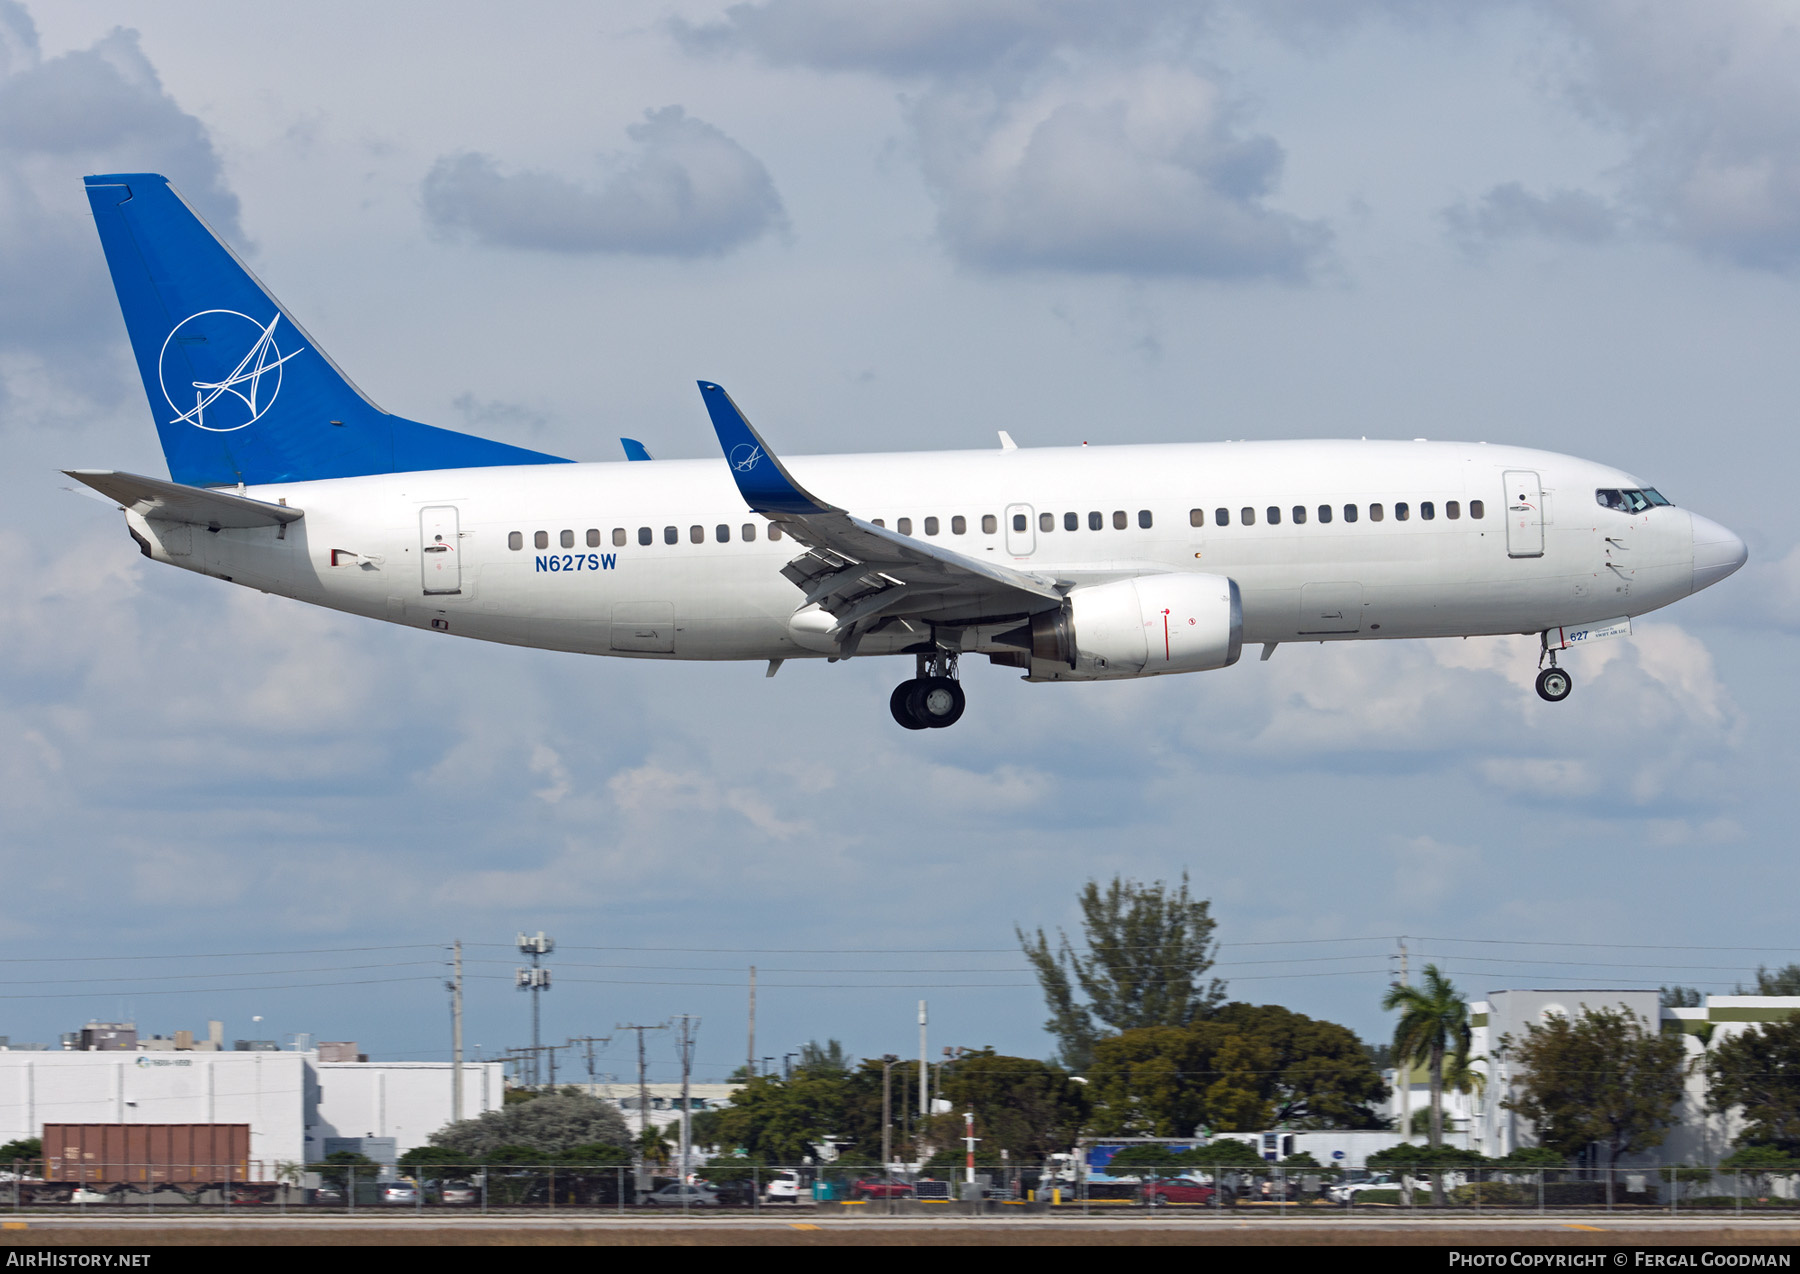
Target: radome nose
x=1717 y=552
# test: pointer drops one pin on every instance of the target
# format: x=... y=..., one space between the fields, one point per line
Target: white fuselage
x=374 y=546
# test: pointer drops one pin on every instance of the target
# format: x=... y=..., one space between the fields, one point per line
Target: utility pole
x=535 y=980
x=750 y=1062
x=887 y=1119
x=589 y=1041
x=969 y=1140
x=455 y=987
x=1403 y=1065
x=689 y=1026
x=643 y=1088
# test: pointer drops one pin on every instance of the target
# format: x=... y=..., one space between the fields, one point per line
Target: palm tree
x=1434 y=1022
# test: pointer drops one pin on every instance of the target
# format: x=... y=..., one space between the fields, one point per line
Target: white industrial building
x=662 y=1102
x=293 y=1102
x=1700 y=1136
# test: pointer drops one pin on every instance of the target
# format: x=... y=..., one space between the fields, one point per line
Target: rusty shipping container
x=146 y=1154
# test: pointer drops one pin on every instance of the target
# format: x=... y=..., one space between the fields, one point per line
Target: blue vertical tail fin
x=240 y=391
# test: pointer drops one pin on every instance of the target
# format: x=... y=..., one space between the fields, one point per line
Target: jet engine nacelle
x=1140 y=627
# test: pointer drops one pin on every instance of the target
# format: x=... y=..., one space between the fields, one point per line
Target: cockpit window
x=1629 y=501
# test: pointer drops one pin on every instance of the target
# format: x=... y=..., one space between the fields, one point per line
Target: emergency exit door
x=440 y=550
x=1021 y=536
x=1524 y=514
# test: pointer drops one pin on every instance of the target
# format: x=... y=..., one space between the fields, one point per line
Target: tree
x=23 y=1148
x=1319 y=1074
x=1607 y=1078
x=551 y=1122
x=1434 y=1021
x=1782 y=981
x=1244 y=1069
x=1023 y=1106
x=1759 y=1072
x=433 y=1163
x=335 y=1168
x=1682 y=997
x=1146 y=953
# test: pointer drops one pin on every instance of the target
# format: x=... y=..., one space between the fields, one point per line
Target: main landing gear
x=931 y=700
x=1553 y=683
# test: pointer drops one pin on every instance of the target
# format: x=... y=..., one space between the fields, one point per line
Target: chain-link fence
x=841 y=1190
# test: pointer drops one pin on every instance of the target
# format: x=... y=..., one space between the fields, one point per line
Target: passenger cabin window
x=671 y=535
x=1475 y=508
x=774 y=531
x=541 y=539
x=1019 y=524
x=1453 y=509
x=568 y=539
x=1071 y=521
x=619 y=536
x=931 y=526
x=1274 y=515
x=697 y=534
x=989 y=524
x=1222 y=517
x=880 y=521
x=1046 y=521
x=1349 y=513
x=959 y=525
x=1324 y=513
x=1247 y=516
x=1427 y=510
x=1299 y=515
x=515 y=539
x=1096 y=520
x=1402 y=511
x=1144 y=519
x=1375 y=513
x=645 y=535
x=1120 y=521
x=723 y=533
x=749 y=532
x=903 y=525
x=593 y=537
x=1196 y=517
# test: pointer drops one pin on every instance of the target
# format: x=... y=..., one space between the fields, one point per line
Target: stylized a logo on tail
x=196 y=338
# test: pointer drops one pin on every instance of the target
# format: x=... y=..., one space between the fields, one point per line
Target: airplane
x=1067 y=563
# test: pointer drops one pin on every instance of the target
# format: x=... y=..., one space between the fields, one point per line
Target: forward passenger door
x=1524 y=514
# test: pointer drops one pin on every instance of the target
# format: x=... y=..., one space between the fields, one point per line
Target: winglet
x=635 y=450
x=762 y=480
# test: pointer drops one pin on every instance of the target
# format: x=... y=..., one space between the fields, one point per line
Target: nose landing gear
x=1553 y=683
x=931 y=700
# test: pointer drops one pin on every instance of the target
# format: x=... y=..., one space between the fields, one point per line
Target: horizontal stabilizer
x=172 y=502
x=635 y=450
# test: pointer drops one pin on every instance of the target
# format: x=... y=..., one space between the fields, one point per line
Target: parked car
x=676 y=1195
x=784 y=1187
x=461 y=1195
x=876 y=1188
x=1160 y=1190
x=1346 y=1191
x=399 y=1192
x=329 y=1197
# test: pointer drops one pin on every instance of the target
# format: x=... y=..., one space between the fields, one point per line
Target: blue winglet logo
x=745 y=456
x=199 y=357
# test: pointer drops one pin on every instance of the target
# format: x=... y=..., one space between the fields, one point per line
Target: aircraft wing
x=862 y=574
x=174 y=502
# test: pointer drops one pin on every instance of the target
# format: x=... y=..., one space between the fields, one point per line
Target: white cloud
x=1509 y=211
x=99 y=109
x=687 y=190
x=1709 y=95
x=1143 y=173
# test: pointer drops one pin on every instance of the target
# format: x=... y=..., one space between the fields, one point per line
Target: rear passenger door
x=440 y=551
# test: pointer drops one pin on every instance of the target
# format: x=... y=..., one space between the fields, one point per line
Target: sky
x=893 y=226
